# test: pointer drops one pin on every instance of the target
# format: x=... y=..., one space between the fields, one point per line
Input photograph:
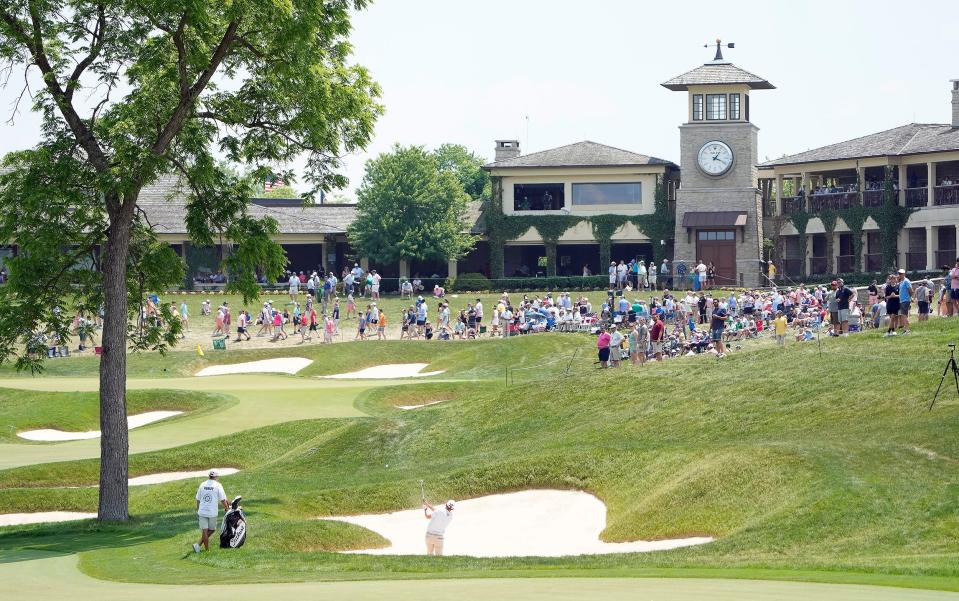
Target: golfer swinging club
x=209 y=495
x=439 y=520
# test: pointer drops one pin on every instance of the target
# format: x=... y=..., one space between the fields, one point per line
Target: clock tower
x=718 y=204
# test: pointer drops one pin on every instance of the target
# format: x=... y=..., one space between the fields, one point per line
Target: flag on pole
x=199 y=351
x=270 y=185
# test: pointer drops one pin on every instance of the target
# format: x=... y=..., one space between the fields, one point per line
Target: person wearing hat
x=209 y=496
x=905 y=300
x=436 y=530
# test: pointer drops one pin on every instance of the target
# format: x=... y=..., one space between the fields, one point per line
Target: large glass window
x=697 y=107
x=715 y=106
x=734 y=107
x=726 y=235
x=619 y=193
x=538 y=197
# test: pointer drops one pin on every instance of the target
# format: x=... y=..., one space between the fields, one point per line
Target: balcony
x=846 y=264
x=947 y=195
x=832 y=200
x=819 y=265
x=946 y=258
x=915 y=261
x=872 y=198
x=793 y=204
x=917 y=197
x=874 y=262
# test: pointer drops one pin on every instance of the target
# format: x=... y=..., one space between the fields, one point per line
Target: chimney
x=955 y=102
x=508 y=149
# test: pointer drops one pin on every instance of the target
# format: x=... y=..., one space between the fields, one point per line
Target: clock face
x=715 y=158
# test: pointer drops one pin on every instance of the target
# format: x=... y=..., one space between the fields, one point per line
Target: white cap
x=214 y=473
x=450 y=504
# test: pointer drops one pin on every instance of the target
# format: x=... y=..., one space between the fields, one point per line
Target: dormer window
x=697 y=107
x=715 y=107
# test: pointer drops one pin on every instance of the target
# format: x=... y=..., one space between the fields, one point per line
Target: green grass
x=80 y=411
x=805 y=466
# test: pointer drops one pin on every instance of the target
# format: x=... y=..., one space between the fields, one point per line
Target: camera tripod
x=951 y=365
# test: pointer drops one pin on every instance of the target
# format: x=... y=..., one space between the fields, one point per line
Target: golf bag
x=233 y=534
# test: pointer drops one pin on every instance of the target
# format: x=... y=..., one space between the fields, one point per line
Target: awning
x=714 y=219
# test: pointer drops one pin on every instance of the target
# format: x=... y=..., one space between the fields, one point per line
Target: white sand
x=284 y=365
x=543 y=523
x=173 y=476
x=386 y=372
x=133 y=421
x=18 y=519
x=411 y=407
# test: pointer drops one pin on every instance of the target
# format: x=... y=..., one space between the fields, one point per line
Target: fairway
x=58 y=578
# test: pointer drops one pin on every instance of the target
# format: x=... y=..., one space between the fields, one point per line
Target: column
x=404 y=269
x=779 y=195
x=808 y=258
x=932 y=243
x=451 y=268
x=860 y=181
x=806 y=190
x=323 y=264
x=862 y=256
x=903 y=182
x=834 y=266
x=902 y=248
x=930 y=185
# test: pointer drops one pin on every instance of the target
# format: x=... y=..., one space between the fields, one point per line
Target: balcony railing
x=917 y=197
x=832 y=200
x=846 y=264
x=792 y=267
x=819 y=265
x=872 y=198
x=793 y=204
x=916 y=261
x=873 y=261
x=946 y=258
x=947 y=195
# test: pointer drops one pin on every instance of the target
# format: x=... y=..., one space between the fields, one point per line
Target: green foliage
x=466 y=167
x=407 y=208
x=604 y=226
x=660 y=224
x=800 y=221
x=280 y=192
x=891 y=217
x=470 y=281
x=855 y=218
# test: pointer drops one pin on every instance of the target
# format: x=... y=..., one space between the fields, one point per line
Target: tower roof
x=717 y=72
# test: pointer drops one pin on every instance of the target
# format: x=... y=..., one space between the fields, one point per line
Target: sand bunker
x=19 y=519
x=133 y=421
x=542 y=523
x=386 y=372
x=410 y=407
x=174 y=476
x=284 y=365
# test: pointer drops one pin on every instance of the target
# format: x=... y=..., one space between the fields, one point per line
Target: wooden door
x=719 y=246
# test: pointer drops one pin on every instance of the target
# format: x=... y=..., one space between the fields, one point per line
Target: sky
x=555 y=72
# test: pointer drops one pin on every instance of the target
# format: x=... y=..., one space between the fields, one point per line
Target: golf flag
x=199 y=351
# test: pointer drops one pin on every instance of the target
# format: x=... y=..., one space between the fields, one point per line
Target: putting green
x=58 y=578
x=263 y=400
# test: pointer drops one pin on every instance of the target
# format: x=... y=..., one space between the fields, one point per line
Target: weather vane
x=719 y=48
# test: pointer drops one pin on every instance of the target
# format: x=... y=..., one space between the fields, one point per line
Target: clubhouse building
x=727 y=207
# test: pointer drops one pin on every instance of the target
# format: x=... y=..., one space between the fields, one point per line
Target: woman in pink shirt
x=602 y=346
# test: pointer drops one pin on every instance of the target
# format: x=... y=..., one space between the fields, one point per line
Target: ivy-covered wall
x=501 y=228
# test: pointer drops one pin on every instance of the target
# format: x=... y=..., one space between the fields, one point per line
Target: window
x=539 y=197
x=726 y=235
x=697 y=107
x=734 y=107
x=619 y=193
x=715 y=106
x=746 y=118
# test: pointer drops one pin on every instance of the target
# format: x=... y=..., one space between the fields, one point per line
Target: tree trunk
x=114 y=436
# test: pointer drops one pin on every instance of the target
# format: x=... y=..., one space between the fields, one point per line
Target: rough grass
x=822 y=467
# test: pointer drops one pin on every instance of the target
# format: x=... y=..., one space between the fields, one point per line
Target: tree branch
x=96 y=45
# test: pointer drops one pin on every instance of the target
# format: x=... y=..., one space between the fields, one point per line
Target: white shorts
x=207 y=523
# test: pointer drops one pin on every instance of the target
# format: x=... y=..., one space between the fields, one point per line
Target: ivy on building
x=501 y=228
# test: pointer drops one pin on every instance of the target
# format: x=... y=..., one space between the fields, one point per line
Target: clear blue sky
x=470 y=72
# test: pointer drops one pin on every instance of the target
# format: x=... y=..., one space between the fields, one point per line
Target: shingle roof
x=164 y=202
x=580 y=154
x=914 y=138
x=717 y=72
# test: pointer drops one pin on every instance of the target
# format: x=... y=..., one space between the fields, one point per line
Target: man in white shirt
x=439 y=520
x=478 y=307
x=209 y=496
x=701 y=274
x=294 y=286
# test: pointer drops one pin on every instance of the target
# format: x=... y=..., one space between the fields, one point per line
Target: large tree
x=410 y=209
x=130 y=90
x=466 y=167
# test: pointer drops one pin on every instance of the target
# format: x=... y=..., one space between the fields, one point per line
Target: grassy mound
x=806 y=465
